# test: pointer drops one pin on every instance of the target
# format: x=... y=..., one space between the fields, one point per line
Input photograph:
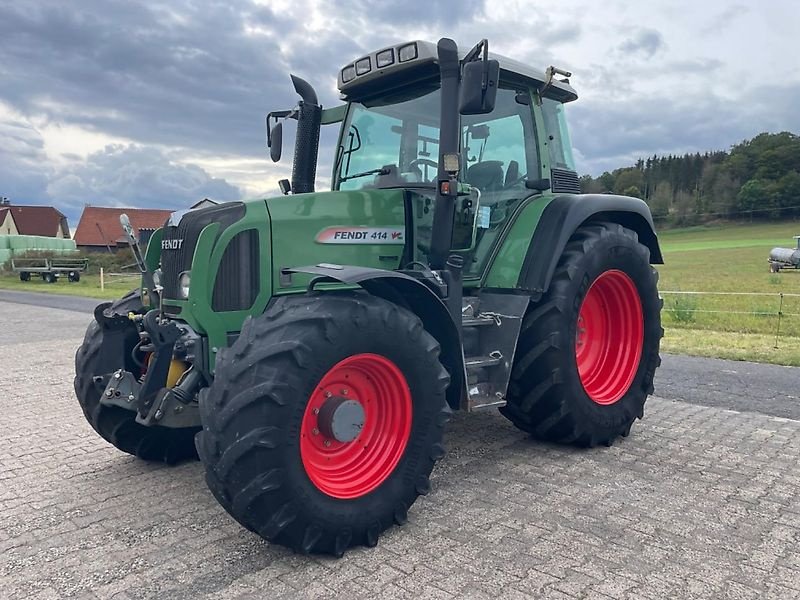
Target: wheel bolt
x=327 y=443
x=328 y=394
x=315 y=431
x=344 y=392
x=315 y=411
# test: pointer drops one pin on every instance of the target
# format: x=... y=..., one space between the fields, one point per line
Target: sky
x=160 y=104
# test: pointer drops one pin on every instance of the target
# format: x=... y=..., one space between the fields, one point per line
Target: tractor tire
x=588 y=349
x=24 y=276
x=283 y=456
x=117 y=425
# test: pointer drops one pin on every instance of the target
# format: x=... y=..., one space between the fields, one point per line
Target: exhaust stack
x=306 y=146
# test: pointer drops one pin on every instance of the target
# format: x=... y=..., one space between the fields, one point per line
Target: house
x=99 y=228
x=33 y=220
x=204 y=203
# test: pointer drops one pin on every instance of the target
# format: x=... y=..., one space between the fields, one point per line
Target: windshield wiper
x=381 y=171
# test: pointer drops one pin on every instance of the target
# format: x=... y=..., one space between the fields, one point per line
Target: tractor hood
x=364 y=227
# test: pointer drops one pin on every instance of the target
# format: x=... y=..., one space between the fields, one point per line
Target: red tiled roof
x=37 y=220
x=99 y=226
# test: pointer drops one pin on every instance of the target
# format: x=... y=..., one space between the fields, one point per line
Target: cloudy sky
x=145 y=103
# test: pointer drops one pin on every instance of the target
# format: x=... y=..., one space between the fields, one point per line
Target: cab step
x=479 y=362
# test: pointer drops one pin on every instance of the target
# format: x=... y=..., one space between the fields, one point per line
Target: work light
x=348 y=74
x=407 y=52
x=385 y=58
x=363 y=66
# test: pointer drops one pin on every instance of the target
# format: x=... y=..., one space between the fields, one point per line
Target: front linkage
x=164 y=393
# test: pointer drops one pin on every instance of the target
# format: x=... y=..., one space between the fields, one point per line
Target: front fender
x=412 y=294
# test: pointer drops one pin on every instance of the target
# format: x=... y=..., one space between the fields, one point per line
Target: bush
x=683 y=308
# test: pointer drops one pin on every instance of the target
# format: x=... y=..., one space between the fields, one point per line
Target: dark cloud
x=24 y=170
x=643 y=43
x=190 y=75
x=134 y=176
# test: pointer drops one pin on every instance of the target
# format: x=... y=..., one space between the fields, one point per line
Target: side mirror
x=276 y=141
x=479 y=87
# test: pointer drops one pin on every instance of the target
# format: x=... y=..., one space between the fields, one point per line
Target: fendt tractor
x=309 y=347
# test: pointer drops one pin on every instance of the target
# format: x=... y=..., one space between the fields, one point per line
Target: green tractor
x=309 y=347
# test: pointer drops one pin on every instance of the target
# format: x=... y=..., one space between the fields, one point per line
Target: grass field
x=724 y=258
x=88 y=286
x=730 y=259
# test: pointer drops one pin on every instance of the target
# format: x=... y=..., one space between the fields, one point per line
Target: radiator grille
x=237 y=282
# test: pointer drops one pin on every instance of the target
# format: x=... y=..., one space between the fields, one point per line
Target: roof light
x=348 y=73
x=407 y=52
x=385 y=58
x=363 y=66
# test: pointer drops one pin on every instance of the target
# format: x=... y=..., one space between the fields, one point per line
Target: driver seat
x=487 y=176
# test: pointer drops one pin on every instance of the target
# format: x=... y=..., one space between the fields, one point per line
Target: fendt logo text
x=171 y=244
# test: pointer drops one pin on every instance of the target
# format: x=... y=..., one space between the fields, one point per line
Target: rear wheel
x=24 y=276
x=588 y=350
x=49 y=277
x=324 y=421
x=117 y=425
x=74 y=276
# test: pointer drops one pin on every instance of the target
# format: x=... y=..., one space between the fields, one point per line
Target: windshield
x=397 y=145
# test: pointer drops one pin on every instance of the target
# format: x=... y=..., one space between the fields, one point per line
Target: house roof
x=37 y=220
x=99 y=226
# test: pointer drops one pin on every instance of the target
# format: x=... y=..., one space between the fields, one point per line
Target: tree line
x=756 y=179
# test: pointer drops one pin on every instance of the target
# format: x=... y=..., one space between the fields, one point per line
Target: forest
x=757 y=179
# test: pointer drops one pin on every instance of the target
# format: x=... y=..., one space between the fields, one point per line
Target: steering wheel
x=423 y=161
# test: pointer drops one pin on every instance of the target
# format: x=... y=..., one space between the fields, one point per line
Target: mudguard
x=560 y=220
x=411 y=293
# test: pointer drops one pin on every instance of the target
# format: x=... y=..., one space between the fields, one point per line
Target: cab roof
x=364 y=77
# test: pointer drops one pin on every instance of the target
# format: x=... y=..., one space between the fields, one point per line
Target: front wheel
x=324 y=421
x=588 y=350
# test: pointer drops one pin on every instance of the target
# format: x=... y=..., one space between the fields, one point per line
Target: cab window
x=558 y=142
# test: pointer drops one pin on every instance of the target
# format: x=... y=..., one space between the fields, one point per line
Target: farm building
x=99 y=228
x=33 y=220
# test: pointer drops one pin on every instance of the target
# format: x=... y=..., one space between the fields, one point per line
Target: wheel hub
x=341 y=419
x=356 y=426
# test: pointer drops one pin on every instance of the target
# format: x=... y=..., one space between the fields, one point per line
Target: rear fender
x=560 y=220
x=410 y=293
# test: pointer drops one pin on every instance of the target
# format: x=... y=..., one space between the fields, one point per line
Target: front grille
x=177 y=257
x=237 y=283
x=564 y=181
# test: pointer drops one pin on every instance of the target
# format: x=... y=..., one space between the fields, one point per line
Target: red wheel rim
x=609 y=336
x=350 y=469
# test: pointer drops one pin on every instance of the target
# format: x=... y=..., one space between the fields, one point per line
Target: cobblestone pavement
x=699 y=502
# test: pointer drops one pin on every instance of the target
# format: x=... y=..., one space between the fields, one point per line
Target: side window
x=558 y=141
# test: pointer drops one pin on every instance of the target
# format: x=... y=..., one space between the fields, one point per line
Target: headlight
x=183 y=284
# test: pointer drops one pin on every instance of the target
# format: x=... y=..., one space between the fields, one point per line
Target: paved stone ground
x=699 y=502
